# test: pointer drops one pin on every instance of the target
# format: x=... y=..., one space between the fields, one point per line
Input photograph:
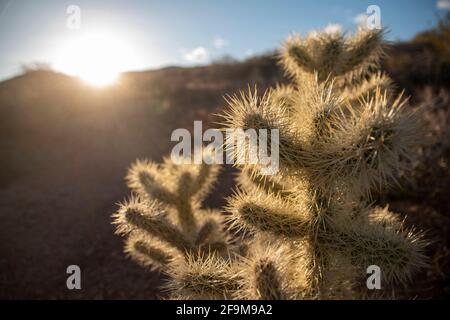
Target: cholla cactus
x=308 y=231
x=167 y=228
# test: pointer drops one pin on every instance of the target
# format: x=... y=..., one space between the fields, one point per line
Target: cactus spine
x=308 y=231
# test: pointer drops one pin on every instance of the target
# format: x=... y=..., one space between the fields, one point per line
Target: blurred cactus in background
x=308 y=232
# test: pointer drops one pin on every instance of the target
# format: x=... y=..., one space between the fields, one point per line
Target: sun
x=97 y=58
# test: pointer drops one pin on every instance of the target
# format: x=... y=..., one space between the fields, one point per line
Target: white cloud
x=360 y=19
x=249 y=52
x=197 y=55
x=220 y=42
x=332 y=28
x=443 y=4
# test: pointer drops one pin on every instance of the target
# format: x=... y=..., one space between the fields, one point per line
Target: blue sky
x=181 y=32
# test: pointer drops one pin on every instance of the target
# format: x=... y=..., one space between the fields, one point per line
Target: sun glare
x=96 y=58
